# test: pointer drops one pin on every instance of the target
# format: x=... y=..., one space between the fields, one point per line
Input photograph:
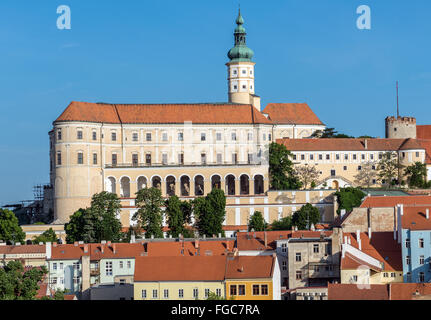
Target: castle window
x=250 y=136
x=148 y=136
x=244 y=86
x=269 y=137
x=359 y=168
x=164 y=136
x=311 y=157
x=80 y=158
x=395 y=129
x=354 y=157
x=148 y=158
x=363 y=157
x=251 y=71
x=235 y=72
x=203 y=158
x=165 y=158
x=235 y=87
x=233 y=136
x=346 y=157
x=181 y=158
x=219 y=158
x=302 y=156
x=114 y=159
x=113 y=136
x=94 y=158
x=79 y=134
x=203 y=136
x=59 y=158
x=94 y=135
x=337 y=156
x=417 y=154
x=320 y=157
x=218 y=136
x=135 y=159
x=328 y=157
x=180 y=136
x=135 y=136
x=59 y=134
x=244 y=72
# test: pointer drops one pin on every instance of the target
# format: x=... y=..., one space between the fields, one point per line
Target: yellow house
x=253 y=278
x=371 y=258
x=179 y=278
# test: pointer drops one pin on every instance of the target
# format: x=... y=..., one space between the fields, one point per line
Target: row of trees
x=303 y=219
x=101 y=220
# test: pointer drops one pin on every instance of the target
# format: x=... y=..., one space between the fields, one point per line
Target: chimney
x=342 y=213
x=54 y=244
x=41 y=243
x=152 y=236
x=219 y=235
x=132 y=238
x=345 y=239
x=103 y=242
x=266 y=239
x=366 y=144
x=358 y=238
x=369 y=233
x=75 y=243
x=85 y=248
x=114 y=248
x=81 y=242
x=196 y=243
x=428 y=214
x=401 y=209
x=109 y=243
x=48 y=250
x=102 y=248
x=227 y=245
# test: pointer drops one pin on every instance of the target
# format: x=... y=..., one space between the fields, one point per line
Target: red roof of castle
x=162 y=113
x=291 y=113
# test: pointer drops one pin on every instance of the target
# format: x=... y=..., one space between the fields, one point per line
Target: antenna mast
x=398 y=105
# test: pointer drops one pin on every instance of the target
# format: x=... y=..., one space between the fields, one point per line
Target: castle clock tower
x=241 y=69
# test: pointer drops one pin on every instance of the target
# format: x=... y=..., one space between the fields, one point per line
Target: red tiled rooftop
x=250 y=267
x=423 y=131
x=205 y=247
x=349 y=144
x=381 y=246
x=382 y=201
x=338 y=291
x=162 y=113
x=33 y=248
x=414 y=218
x=291 y=113
x=199 y=268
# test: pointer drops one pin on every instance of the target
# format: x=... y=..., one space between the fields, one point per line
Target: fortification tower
x=400 y=127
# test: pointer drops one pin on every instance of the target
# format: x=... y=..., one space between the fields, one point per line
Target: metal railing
x=190 y=164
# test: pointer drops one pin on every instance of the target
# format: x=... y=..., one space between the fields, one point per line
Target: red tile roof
x=351 y=262
x=381 y=246
x=414 y=218
x=349 y=144
x=385 y=201
x=34 y=248
x=162 y=113
x=338 y=291
x=250 y=267
x=205 y=247
x=72 y=252
x=291 y=113
x=199 y=268
x=423 y=132
x=409 y=291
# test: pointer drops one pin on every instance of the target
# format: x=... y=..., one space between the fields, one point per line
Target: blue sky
x=139 y=51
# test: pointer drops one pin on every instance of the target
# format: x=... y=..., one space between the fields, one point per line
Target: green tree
x=329 y=133
x=210 y=213
x=178 y=214
x=416 y=175
x=214 y=296
x=149 y=215
x=389 y=168
x=10 y=231
x=281 y=172
x=349 y=198
x=19 y=284
x=305 y=217
x=282 y=224
x=257 y=222
x=98 y=222
x=48 y=236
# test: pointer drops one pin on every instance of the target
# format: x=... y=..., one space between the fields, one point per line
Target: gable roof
x=426 y=144
x=423 y=132
x=381 y=246
x=389 y=201
x=414 y=218
x=199 y=268
x=162 y=113
x=72 y=252
x=339 y=291
x=250 y=267
x=22 y=249
x=342 y=144
x=191 y=248
x=291 y=113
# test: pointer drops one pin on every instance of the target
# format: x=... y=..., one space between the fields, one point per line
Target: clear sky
x=171 y=51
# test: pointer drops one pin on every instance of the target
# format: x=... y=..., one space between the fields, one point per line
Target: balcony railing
x=190 y=164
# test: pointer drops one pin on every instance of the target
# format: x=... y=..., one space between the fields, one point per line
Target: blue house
x=414 y=234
